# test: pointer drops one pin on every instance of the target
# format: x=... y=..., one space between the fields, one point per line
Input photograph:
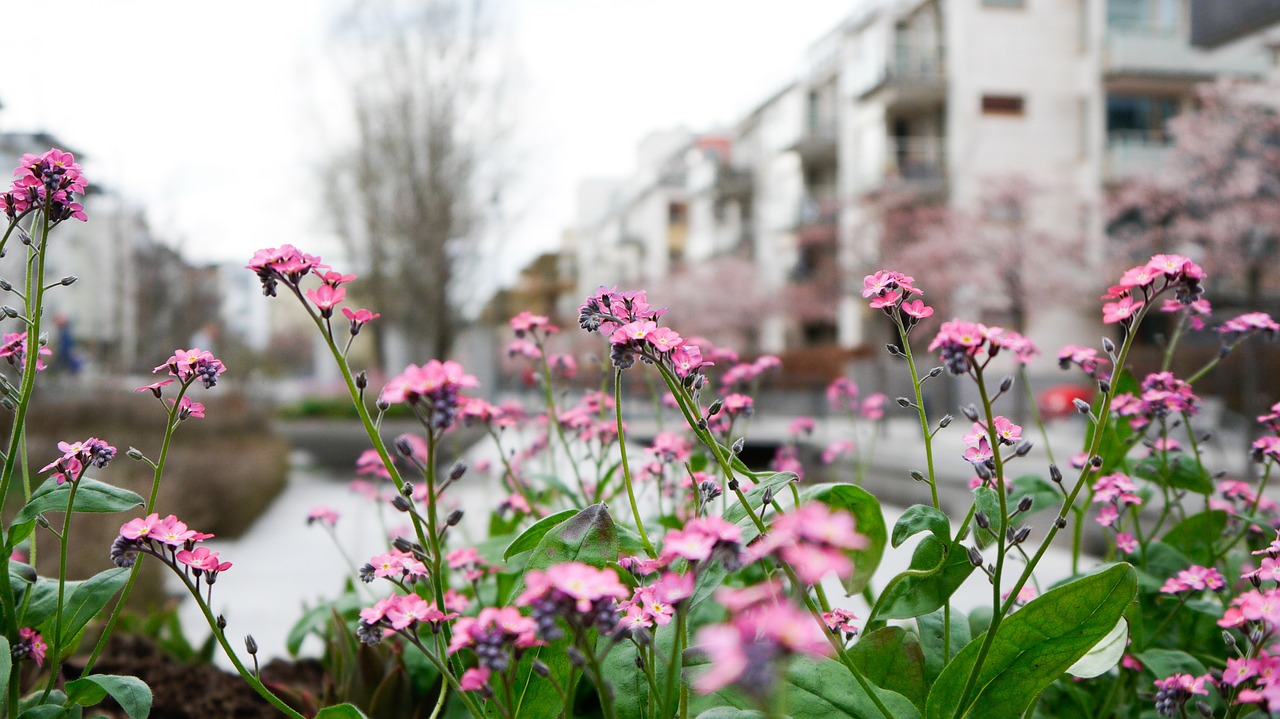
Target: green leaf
x=1174 y=470
x=816 y=689
x=316 y=618
x=91 y=496
x=341 y=711
x=88 y=599
x=1162 y=562
x=1104 y=655
x=892 y=659
x=933 y=641
x=870 y=524
x=631 y=688
x=590 y=537
x=131 y=693
x=726 y=713
x=529 y=539
x=936 y=574
x=44 y=600
x=1033 y=647
x=988 y=502
x=1043 y=493
x=1196 y=535
x=1167 y=662
x=6 y=661
x=920 y=518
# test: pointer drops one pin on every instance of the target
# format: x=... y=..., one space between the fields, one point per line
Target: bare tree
x=408 y=196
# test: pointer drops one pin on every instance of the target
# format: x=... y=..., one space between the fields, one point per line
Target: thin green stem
x=626 y=469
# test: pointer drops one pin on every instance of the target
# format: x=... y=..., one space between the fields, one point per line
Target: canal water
x=282 y=565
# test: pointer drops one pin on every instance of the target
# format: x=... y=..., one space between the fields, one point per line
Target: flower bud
x=1096 y=461
x=970 y=412
x=934 y=372
x=458 y=469
x=1023 y=448
x=641 y=636
x=903 y=402
x=715 y=408
x=733 y=485
x=1006 y=383
x=1081 y=406
x=250 y=644
x=68 y=280
x=894 y=350
x=1055 y=474
x=1104 y=386
x=1024 y=504
x=4 y=285
x=1228 y=638
x=407 y=489
x=1060 y=522
x=917 y=475
x=403 y=446
x=575 y=657
x=400 y=503
x=1108 y=346
x=221 y=622
x=8 y=311
x=454 y=517
x=975 y=556
x=541 y=669
x=739 y=444
x=1021 y=535
x=382 y=405
x=362 y=380
x=133 y=453
x=980 y=519
x=945 y=421
x=768 y=495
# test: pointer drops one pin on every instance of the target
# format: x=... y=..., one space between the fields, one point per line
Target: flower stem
x=626 y=469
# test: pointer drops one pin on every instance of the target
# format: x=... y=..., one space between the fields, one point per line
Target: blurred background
x=746 y=163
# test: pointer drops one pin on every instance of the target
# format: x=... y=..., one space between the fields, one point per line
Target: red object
x=1059 y=401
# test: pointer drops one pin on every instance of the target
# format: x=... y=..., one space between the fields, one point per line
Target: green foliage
x=921 y=518
x=891 y=658
x=131 y=693
x=937 y=570
x=1033 y=646
x=529 y=538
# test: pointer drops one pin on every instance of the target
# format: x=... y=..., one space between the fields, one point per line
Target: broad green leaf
x=1033 y=647
x=6 y=661
x=1167 y=662
x=48 y=711
x=44 y=599
x=590 y=537
x=870 y=524
x=933 y=641
x=316 y=618
x=921 y=518
x=89 y=598
x=630 y=687
x=21 y=572
x=988 y=502
x=728 y=713
x=19 y=531
x=1174 y=470
x=1196 y=535
x=1104 y=655
x=816 y=689
x=342 y=711
x=530 y=537
x=1162 y=562
x=131 y=693
x=1043 y=493
x=891 y=658
x=91 y=496
x=935 y=577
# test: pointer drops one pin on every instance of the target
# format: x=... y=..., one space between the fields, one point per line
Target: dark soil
x=202 y=691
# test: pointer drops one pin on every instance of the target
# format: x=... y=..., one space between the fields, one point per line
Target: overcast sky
x=214 y=116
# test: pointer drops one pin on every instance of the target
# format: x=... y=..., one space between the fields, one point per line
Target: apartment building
x=937 y=97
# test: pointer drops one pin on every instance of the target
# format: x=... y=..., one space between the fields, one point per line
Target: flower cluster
x=814 y=540
x=30 y=644
x=583 y=596
x=13 y=348
x=1086 y=358
x=498 y=636
x=51 y=181
x=1162 y=394
x=172 y=541
x=193 y=364
x=630 y=323
x=1246 y=325
x=77 y=456
x=285 y=264
x=655 y=604
x=433 y=387
x=889 y=291
x=742 y=374
x=398 y=613
x=763 y=629
x=1116 y=493
x=702 y=539
x=1139 y=285
x=395 y=564
x=1194 y=579
x=1173 y=692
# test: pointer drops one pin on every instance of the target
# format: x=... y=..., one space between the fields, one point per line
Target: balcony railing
x=915 y=61
x=919 y=159
x=1135 y=152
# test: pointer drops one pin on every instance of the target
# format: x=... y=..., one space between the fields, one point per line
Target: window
x=1002 y=105
x=1140 y=119
x=1143 y=17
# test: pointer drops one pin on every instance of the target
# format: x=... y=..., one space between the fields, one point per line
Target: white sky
x=213 y=116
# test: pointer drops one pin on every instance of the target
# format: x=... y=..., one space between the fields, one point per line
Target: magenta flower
x=814 y=540
x=14 y=349
x=474 y=679
x=284 y=264
x=434 y=386
x=916 y=309
x=50 y=180
x=1194 y=579
x=801 y=425
x=326 y=297
x=841 y=621
x=687 y=359
x=188 y=408
x=836 y=449
x=155 y=387
x=842 y=393
x=194 y=363
x=502 y=630
x=202 y=560
x=30 y=644
x=323 y=515
x=528 y=322
x=1121 y=311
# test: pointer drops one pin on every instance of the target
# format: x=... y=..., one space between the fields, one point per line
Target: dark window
x=1002 y=105
x=1139 y=118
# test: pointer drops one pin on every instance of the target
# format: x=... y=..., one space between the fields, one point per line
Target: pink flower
x=31 y=644
x=687 y=359
x=1114 y=312
x=284 y=264
x=474 y=679
x=836 y=449
x=736 y=404
x=14 y=349
x=527 y=322
x=841 y=620
x=323 y=515
x=195 y=363
x=359 y=318
x=842 y=393
x=202 y=560
x=505 y=625
x=1126 y=543
x=579 y=582
x=154 y=388
x=326 y=297
x=801 y=425
x=664 y=339
x=140 y=528
x=1194 y=579
x=916 y=309
x=187 y=408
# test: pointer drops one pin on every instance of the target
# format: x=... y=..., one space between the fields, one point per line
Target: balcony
x=817 y=221
x=817 y=144
x=1135 y=152
x=914 y=74
x=1162 y=50
x=919 y=161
